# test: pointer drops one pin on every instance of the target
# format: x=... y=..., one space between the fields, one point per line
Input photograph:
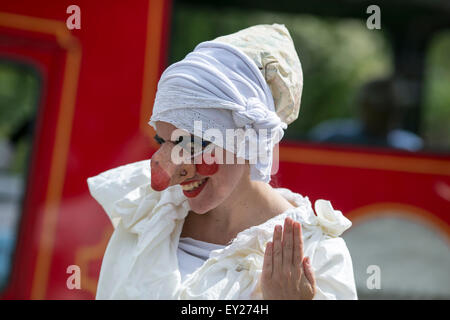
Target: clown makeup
x=206 y=183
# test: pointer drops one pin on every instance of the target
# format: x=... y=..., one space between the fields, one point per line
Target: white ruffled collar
x=156 y=218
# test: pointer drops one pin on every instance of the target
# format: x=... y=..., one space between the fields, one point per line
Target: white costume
x=192 y=254
x=248 y=80
x=141 y=262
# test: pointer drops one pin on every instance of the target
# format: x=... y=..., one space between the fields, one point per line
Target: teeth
x=192 y=185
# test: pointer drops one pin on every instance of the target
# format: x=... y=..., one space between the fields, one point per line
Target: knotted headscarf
x=249 y=80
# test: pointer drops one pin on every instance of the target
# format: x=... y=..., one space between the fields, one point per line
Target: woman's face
x=206 y=186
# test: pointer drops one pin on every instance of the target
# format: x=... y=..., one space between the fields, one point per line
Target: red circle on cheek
x=207 y=169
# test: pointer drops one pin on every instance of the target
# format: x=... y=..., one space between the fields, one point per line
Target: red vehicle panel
x=98 y=86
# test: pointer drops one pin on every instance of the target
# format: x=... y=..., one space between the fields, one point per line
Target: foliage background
x=338 y=56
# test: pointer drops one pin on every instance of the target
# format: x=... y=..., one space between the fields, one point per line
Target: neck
x=251 y=203
x=245 y=202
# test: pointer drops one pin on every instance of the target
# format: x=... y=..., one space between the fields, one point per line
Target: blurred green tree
x=338 y=56
x=436 y=117
x=19 y=94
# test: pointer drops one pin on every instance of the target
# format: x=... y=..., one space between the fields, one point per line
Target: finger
x=309 y=273
x=267 y=264
x=287 y=243
x=298 y=244
x=277 y=254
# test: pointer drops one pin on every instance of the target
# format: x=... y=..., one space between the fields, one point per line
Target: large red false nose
x=160 y=178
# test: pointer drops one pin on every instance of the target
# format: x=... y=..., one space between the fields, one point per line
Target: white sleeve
x=332 y=265
x=114 y=184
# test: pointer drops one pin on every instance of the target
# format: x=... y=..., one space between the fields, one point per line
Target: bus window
x=19 y=95
x=436 y=118
x=346 y=70
x=352 y=93
x=377 y=119
x=344 y=66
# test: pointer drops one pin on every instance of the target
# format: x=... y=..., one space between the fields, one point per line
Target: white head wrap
x=221 y=86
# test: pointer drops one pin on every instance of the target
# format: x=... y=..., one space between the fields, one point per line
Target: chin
x=216 y=190
x=199 y=207
x=207 y=200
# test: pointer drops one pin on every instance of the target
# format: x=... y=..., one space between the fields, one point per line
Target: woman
x=203 y=222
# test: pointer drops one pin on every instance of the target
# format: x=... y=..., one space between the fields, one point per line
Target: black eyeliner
x=159 y=140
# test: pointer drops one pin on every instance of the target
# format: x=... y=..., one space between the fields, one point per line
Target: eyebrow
x=159 y=140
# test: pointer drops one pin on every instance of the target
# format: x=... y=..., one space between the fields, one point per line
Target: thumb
x=309 y=273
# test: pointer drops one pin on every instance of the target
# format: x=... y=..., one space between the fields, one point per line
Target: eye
x=195 y=145
x=191 y=144
x=179 y=140
x=205 y=143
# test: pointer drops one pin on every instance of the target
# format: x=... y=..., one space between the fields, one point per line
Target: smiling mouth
x=192 y=189
x=193 y=185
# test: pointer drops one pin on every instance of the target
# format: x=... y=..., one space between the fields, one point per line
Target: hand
x=286 y=274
